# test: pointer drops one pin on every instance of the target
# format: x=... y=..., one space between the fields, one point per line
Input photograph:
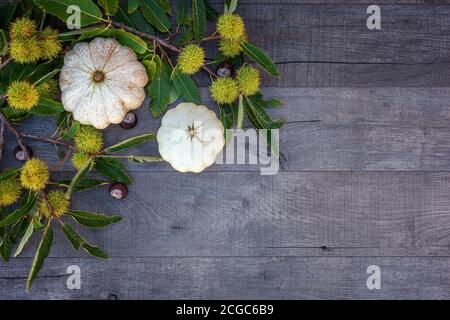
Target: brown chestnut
x=118 y=190
x=225 y=69
x=20 y=155
x=130 y=121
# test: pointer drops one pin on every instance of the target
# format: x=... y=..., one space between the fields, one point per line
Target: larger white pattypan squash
x=101 y=81
x=190 y=137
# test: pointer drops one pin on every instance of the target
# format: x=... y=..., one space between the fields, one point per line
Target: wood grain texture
x=233 y=278
x=364 y=176
x=329 y=45
x=328 y=129
x=218 y=3
x=244 y=214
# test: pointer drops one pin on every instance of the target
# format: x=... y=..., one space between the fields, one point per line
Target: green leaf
x=211 y=13
x=77 y=178
x=63 y=119
x=3 y=214
x=130 y=40
x=230 y=6
x=261 y=119
x=47 y=76
x=186 y=87
x=273 y=103
x=135 y=20
x=60 y=152
x=71 y=35
x=94 y=251
x=6 y=248
x=131 y=142
x=6 y=12
x=10 y=173
x=132 y=6
x=15 y=115
x=18 y=229
x=84 y=184
x=110 y=6
x=159 y=89
x=25 y=238
x=139 y=22
x=89 y=183
x=69 y=134
x=40 y=73
x=186 y=35
x=42 y=253
x=151 y=67
x=95 y=32
x=74 y=238
x=89 y=12
x=37 y=225
x=226 y=116
x=47 y=107
x=20 y=212
x=112 y=168
x=3 y=44
x=123 y=37
x=240 y=115
x=174 y=95
x=154 y=14
x=143 y=159
x=260 y=58
x=165 y=5
x=78 y=242
x=93 y=220
x=183 y=11
x=17 y=72
x=198 y=18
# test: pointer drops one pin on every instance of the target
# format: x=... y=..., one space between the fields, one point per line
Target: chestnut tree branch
x=160 y=41
x=212 y=37
x=63 y=161
x=20 y=135
x=46 y=139
x=4 y=63
x=16 y=133
x=2 y=139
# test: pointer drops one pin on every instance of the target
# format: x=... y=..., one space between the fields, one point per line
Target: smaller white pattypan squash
x=190 y=137
x=101 y=81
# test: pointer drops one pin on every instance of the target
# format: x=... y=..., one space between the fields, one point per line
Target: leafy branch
x=20 y=135
x=160 y=41
x=144 y=26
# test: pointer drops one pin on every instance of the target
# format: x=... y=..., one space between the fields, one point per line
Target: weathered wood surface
x=328 y=129
x=319 y=214
x=329 y=45
x=364 y=177
x=234 y=278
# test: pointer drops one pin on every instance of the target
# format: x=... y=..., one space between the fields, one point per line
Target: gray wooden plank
x=328 y=129
x=233 y=278
x=290 y=214
x=218 y=3
x=330 y=45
